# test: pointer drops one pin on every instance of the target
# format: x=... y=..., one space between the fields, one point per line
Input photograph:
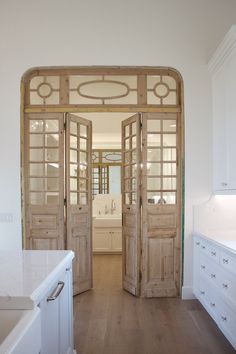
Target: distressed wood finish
x=131 y=212
x=161 y=238
x=44 y=226
x=79 y=214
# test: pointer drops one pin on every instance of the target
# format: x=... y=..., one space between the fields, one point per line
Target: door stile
x=79 y=199
x=131 y=165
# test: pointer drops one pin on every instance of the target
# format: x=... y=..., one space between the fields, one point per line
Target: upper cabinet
x=223 y=69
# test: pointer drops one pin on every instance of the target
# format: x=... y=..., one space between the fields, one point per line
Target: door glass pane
x=153 y=155
x=153 y=125
x=36 y=126
x=36 y=198
x=51 y=125
x=127 y=130
x=36 y=155
x=83 y=130
x=52 y=184
x=83 y=185
x=154 y=140
x=133 y=196
x=127 y=185
x=169 y=183
x=127 y=171
x=51 y=155
x=83 y=144
x=36 y=139
x=134 y=138
x=153 y=197
x=169 y=168
x=133 y=156
x=73 y=129
x=73 y=184
x=52 y=198
x=128 y=156
x=36 y=184
x=74 y=156
x=83 y=170
x=127 y=144
x=83 y=157
x=73 y=198
x=36 y=169
x=169 y=154
x=83 y=198
x=73 y=170
x=73 y=141
x=52 y=169
x=153 y=183
x=153 y=169
x=170 y=197
x=169 y=125
x=134 y=128
x=169 y=139
x=51 y=140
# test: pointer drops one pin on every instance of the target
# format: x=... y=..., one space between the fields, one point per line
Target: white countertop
x=25 y=275
x=225 y=238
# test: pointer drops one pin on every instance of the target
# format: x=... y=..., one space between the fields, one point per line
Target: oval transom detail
x=103 y=89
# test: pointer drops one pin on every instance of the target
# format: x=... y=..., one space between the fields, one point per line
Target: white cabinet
x=56 y=316
x=214 y=283
x=107 y=240
x=223 y=69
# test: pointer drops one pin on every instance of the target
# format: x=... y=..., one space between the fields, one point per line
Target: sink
x=20 y=331
x=108 y=220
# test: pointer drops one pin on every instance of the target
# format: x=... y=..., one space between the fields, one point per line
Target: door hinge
x=140 y=200
x=65 y=125
x=64 y=201
x=140 y=275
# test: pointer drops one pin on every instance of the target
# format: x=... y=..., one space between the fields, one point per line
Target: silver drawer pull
x=197 y=243
x=225 y=286
x=225 y=261
x=213 y=253
x=213 y=304
x=224 y=318
x=56 y=292
x=213 y=275
x=202 y=292
x=203 y=247
x=203 y=267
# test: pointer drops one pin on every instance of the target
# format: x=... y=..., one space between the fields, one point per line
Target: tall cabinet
x=223 y=69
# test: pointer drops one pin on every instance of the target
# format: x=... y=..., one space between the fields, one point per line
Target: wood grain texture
x=108 y=320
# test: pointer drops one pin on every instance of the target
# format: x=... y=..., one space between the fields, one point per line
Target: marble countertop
x=225 y=238
x=26 y=275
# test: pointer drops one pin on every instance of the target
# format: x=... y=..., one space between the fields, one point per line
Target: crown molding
x=223 y=51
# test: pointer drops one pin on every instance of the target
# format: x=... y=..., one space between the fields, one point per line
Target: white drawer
x=209 y=268
x=208 y=297
x=227 y=321
x=228 y=262
x=210 y=250
x=227 y=285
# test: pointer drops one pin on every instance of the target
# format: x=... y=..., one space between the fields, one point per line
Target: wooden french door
x=57 y=189
x=151 y=204
x=78 y=200
x=131 y=203
x=161 y=205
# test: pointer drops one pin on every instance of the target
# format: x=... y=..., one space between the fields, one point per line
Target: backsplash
x=107 y=204
x=218 y=213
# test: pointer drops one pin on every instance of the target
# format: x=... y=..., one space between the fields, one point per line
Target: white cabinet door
x=56 y=317
x=101 y=240
x=116 y=240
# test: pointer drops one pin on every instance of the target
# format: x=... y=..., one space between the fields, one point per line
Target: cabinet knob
x=224 y=184
x=213 y=253
x=213 y=304
x=203 y=267
x=225 y=261
x=203 y=247
x=202 y=292
x=197 y=243
x=225 y=286
x=213 y=275
x=224 y=318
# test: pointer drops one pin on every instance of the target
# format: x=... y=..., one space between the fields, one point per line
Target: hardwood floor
x=109 y=320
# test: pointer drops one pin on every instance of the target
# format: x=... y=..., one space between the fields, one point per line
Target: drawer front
x=227 y=284
x=227 y=319
x=210 y=250
x=208 y=297
x=228 y=262
x=209 y=269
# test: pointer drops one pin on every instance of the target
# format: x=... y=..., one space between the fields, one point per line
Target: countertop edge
x=218 y=243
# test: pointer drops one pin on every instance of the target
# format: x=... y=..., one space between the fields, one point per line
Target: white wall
x=176 y=33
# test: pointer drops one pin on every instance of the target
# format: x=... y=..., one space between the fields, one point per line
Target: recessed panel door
x=44 y=181
x=161 y=205
x=79 y=206
x=131 y=203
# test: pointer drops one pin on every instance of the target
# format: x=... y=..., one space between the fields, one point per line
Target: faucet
x=113 y=206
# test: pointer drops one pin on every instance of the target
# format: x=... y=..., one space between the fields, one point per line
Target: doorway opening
x=63 y=174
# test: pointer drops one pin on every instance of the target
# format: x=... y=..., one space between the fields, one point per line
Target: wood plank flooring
x=108 y=320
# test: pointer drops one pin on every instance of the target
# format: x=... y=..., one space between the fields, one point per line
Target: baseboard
x=187 y=293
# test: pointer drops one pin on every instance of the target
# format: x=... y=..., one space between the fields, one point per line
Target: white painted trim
x=223 y=51
x=187 y=293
